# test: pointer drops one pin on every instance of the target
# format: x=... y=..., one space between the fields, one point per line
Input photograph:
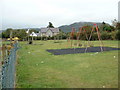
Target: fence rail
x=8 y=69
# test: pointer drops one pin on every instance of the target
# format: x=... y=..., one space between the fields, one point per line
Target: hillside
x=77 y=25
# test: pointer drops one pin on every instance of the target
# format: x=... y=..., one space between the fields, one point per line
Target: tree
x=20 y=33
x=118 y=35
x=114 y=23
x=106 y=27
x=50 y=25
x=118 y=31
x=7 y=32
x=103 y=23
x=33 y=30
x=118 y=26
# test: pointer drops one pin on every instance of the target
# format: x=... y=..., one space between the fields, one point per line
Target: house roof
x=37 y=34
x=34 y=34
x=44 y=30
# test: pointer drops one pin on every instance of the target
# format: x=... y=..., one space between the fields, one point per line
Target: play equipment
x=71 y=38
x=72 y=35
x=84 y=31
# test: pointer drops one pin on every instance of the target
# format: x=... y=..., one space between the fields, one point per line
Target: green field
x=37 y=68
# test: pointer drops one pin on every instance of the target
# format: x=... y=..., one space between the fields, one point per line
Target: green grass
x=37 y=68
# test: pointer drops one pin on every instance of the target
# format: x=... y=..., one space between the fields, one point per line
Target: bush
x=94 y=36
x=105 y=36
x=113 y=35
x=118 y=35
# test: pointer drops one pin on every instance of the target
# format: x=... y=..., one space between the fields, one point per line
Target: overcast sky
x=37 y=13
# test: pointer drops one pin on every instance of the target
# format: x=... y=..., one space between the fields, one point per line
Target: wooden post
x=28 y=37
x=28 y=33
x=32 y=39
x=41 y=38
x=11 y=36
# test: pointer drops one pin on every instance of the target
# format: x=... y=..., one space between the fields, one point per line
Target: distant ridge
x=68 y=28
x=77 y=25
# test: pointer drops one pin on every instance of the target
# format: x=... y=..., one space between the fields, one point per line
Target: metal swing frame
x=94 y=28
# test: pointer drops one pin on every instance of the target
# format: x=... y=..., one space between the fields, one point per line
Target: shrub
x=94 y=36
x=105 y=36
x=113 y=35
x=118 y=35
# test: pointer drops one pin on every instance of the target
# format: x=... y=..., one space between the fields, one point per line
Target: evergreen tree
x=50 y=25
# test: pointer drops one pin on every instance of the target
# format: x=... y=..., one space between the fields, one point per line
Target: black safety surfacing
x=79 y=50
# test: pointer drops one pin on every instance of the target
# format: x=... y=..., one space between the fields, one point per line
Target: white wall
x=49 y=33
x=33 y=34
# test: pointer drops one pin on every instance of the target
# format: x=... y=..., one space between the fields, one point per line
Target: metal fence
x=8 y=69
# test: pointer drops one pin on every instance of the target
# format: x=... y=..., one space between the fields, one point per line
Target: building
x=119 y=11
x=34 y=34
x=49 y=32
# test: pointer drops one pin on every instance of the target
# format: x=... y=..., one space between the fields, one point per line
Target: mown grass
x=37 y=68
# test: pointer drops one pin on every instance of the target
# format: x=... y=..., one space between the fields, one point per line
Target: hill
x=76 y=25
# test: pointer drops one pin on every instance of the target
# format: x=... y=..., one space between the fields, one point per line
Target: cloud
x=37 y=13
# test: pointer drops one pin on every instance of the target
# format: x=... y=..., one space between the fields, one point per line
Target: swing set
x=83 y=31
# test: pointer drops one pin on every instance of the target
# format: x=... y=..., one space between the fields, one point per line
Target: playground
x=71 y=63
x=83 y=47
x=38 y=68
x=63 y=63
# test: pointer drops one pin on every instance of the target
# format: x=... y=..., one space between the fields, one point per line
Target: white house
x=34 y=34
x=49 y=32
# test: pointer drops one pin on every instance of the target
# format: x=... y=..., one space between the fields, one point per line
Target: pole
x=99 y=39
x=32 y=38
x=11 y=36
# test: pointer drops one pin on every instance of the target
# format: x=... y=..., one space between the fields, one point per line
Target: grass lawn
x=37 y=68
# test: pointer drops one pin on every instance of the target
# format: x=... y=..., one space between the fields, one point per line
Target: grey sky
x=37 y=13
